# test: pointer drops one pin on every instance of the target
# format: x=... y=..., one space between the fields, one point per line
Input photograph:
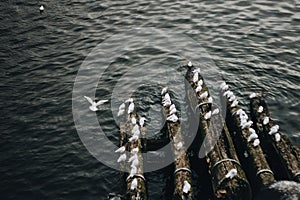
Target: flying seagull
x=94 y=105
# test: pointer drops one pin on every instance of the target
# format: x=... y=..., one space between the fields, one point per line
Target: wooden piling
x=252 y=157
x=282 y=154
x=222 y=158
x=182 y=171
x=140 y=191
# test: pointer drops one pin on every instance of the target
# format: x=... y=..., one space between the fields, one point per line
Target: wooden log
x=280 y=151
x=126 y=127
x=182 y=173
x=222 y=158
x=251 y=156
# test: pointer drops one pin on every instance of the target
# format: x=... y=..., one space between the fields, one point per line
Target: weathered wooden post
x=281 y=153
x=228 y=178
x=182 y=173
x=130 y=138
x=246 y=142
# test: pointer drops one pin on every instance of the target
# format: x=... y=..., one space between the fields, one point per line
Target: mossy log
x=140 y=192
x=252 y=157
x=222 y=158
x=181 y=162
x=281 y=154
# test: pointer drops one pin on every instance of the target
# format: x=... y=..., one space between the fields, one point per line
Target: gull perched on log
x=198 y=88
x=266 y=120
x=203 y=95
x=134 y=150
x=256 y=142
x=179 y=146
x=133 y=120
x=207 y=115
x=200 y=82
x=133 y=157
x=232 y=173
x=94 y=105
x=164 y=90
x=172 y=118
x=195 y=77
x=246 y=124
x=252 y=95
x=122 y=158
x=172 y=111
x=190 y=64
x=215 y=111
x=252 y=137
x=131 y=108
x=234 y=103
x=224 y=86
x=260 y=109
x=133 y=171
x=120 y=150
x=186 y=187
x=134 y=184
x=121 y=109
x=277 y=137
x=273 y=129
x=142 y=121
x=135 y=163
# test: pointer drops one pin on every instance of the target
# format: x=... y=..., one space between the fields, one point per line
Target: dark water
x=254 y=44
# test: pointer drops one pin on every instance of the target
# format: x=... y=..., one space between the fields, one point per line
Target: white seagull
x=133 y=138
x=172 y=111
x=186 y=187
x=135 y=163
x=252 y=137
x=200 y=82
x=207 y=115
x=42 y=9
x=209 y=100
x=94 y=105
x=256 y=142
x=131 y=108
x=234 y=103
x=190 y=64
x=133 y=171
x=277 y=137
x=252 y=95
x=121 y=109
x=273 y=129
x=215 y=111
x=120 y=150
x=164 y=91
x=232 y=173
x=130 y=100
x=203 y=95
x=198 y=88
x=179 y=146
x=133 y=120
x=134 y=150
x=246 y=125
x=172 y=118
x=232 y=98
x=122 y=158
x=266 y=120
x=260 y=109
x=142 y=121
x=196 y=77
x=252 y=131
x=172 y=106
x=133 y=158
x=134 y=184
x=225 y=87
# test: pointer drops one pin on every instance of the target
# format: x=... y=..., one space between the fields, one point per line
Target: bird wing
x=89 y=99
x=101 y=102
